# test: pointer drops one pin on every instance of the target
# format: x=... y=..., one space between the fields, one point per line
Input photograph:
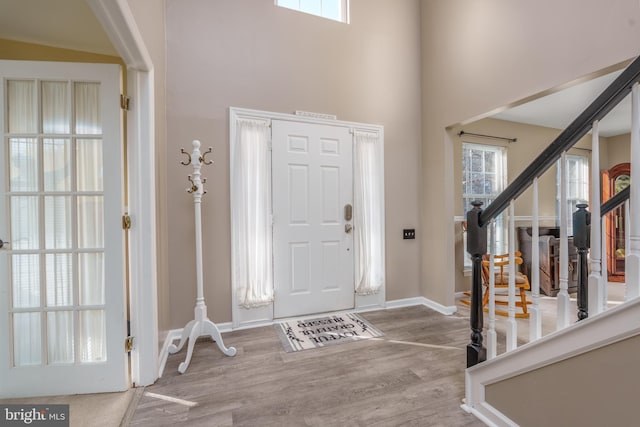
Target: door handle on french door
x=347 y=228
x=3 y=243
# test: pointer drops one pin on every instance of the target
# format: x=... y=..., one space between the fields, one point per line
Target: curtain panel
x=251 y=232
x=368 y=177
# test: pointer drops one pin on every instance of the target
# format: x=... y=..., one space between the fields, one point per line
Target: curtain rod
x=487 y=136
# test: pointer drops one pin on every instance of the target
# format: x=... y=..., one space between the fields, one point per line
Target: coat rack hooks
x=203 y=157
x=188 y=157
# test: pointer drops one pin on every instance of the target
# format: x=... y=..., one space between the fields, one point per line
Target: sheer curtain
x=368 y=210
x=53 y=263
x=251 y=233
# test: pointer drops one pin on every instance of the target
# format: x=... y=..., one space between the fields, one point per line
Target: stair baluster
x=535 y=321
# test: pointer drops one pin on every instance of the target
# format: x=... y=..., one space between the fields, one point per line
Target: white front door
x=62 y=298
x=313 y=242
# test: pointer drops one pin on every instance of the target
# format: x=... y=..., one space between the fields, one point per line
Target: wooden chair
x=502 y=284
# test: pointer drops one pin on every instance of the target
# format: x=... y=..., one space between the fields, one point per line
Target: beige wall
x=618 y=151
x=20 y=51
x=252 y=54
x=480 y=56
x=554 y=395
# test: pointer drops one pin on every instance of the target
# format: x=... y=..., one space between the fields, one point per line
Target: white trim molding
x=119 y=24
x=408 y=302
x=606 y=328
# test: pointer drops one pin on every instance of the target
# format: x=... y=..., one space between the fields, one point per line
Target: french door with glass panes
x=62 y=298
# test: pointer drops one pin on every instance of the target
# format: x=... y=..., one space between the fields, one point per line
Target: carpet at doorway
x=307 y=334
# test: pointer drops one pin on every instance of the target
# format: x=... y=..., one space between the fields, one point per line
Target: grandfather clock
x=615 y=180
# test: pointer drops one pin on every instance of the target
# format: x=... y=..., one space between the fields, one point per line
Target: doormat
x=305 y=334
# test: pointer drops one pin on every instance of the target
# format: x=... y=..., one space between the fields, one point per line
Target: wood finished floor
x=412 y=376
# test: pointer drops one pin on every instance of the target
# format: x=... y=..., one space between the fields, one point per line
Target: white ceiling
x=559 y=109
x=68 y=24
x=71 y=24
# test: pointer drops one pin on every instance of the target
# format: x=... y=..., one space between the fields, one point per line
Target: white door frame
x=242 y=317
x=118 y=22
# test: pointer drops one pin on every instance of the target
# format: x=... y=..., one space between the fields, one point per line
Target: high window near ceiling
x=337 y=10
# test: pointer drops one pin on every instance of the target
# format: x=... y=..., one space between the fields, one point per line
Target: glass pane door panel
x=87 y=108
x=27 y=339
x=26 y=280
x=56 y=109
x=91 y=278
x=23 y=166
x=93 y=343
x=60 y=337
x=90 y=222
x=58 y=223
x=57 y=164
x=59 y=280
x=22 y=106
x=24 y=223
x=89 y=164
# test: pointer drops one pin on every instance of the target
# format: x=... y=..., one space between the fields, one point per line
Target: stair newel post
x=476 y=247
x=581 y=240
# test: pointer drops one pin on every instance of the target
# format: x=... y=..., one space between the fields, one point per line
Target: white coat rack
x=200 y=325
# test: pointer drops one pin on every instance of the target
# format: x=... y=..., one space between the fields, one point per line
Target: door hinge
x=126 y=222
x=124 y=102
x=128 y=344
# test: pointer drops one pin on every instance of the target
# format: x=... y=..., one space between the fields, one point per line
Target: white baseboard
x=172 y=335
x=408 y=302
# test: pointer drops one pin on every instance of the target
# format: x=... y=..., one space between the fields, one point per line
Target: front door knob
x=3 y=243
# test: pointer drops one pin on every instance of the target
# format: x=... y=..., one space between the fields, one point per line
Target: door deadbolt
x=348 y=228
x=2 y=243
x=348 y=212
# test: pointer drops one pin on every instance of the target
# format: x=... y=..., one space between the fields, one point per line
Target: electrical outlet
x=409 y=233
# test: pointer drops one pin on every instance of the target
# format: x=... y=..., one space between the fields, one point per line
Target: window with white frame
x=337 y=10
x=577 y=174
x=484 y=176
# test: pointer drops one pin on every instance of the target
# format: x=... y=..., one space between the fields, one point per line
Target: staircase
x=594 y=325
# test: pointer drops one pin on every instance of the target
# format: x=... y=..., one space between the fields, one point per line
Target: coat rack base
x=199 y=327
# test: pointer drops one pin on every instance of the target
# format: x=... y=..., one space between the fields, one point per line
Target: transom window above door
x=337 y=10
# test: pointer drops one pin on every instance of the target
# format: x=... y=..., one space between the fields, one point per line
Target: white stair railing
x=597 y=278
